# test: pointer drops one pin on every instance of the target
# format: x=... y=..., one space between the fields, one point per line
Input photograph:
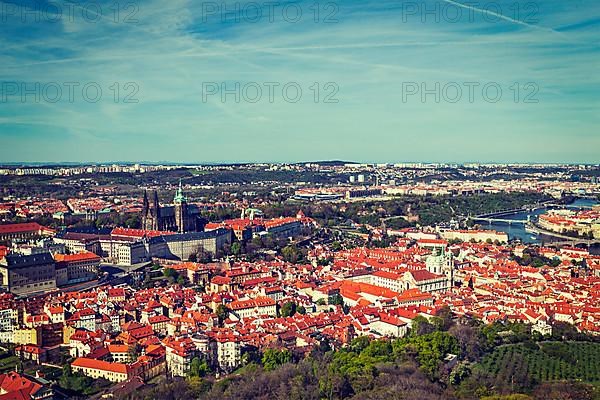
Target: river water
x=518 y=231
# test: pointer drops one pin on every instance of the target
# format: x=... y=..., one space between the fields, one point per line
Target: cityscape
x=299 y=200
x=144 y=281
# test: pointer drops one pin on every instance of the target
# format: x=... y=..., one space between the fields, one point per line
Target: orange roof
x=386 y=275
x=390 y=319
x=25 y=227
x=86 y=255
x=432 y=241
x=350 y=287
x=13 y=382
x=83 y=362
x=118 y=348
x=271 y=223
x=220 y=280
x=158 y=319
x=138 y=233
x=413 y=294
x=191 y=266
x=29 y=348
x=424 y=275
x=116 y=292
x=251 y=303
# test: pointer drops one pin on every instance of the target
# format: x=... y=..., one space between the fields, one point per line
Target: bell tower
x=181 y=211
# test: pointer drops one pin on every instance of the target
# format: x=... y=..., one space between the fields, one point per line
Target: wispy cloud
x=371 y=53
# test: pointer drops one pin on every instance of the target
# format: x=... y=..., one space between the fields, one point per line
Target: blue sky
x=373 y=57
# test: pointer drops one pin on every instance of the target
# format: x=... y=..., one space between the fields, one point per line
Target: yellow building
x=114 y=372
x=27 y=336
x=68 y=331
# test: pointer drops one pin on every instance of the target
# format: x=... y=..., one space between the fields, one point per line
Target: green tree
x=336 y=300
x=459 y=373
x=170 y=273
x=134 y=352
x=288 y=309
x=272 y=358
x=236 y=248
x=291 y=254
x=222 y=312
x=445 y=316
x=429 y=350
x=421 y=326
x=198 y=368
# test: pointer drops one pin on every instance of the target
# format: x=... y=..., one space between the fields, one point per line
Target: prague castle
x=180 y=217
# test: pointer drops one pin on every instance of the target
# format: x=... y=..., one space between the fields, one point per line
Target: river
x=518 y=231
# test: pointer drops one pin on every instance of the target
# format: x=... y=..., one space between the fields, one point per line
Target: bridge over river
x=500 y=217
x=507 y=221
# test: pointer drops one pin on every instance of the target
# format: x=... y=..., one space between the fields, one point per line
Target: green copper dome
x=179 y=196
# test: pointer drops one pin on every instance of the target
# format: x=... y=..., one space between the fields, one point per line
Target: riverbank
x=520 y=232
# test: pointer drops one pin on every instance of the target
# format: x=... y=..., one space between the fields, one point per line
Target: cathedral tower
x=149 y=220
x=157 y=223
x=145 y=210
x=181 y=212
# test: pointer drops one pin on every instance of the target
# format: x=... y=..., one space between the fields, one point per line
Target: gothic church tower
x=181 y=212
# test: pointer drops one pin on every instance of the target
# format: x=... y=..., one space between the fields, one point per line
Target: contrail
x=504 y=17
x=223 y=52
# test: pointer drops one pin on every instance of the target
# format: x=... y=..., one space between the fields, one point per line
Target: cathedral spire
x=156 y=204
x=146 y=203
x=179 y=196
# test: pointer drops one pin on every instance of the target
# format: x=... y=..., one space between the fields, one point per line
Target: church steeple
x=181 y=211
x=146 y=203
x=156 y=205
x=179 y=196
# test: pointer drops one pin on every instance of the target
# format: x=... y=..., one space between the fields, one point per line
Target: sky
x=370 y=81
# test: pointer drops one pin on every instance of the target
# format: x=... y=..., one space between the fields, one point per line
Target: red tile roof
x=13 y=382
x=87 y=255
x=25 y=227
x=138 y=233
x=252 y=303
x=100 y=365
x=424 y=275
